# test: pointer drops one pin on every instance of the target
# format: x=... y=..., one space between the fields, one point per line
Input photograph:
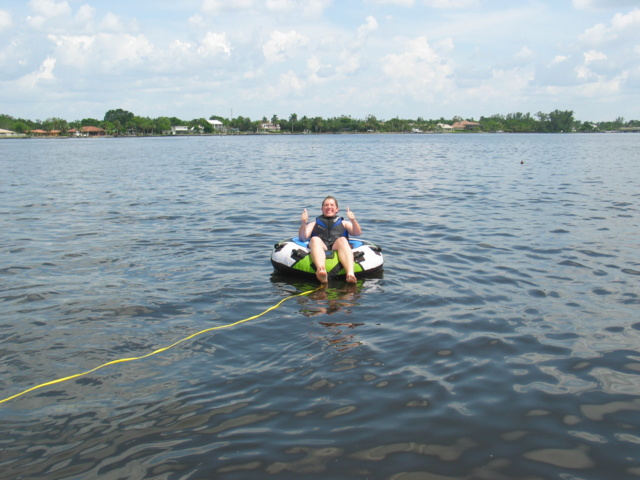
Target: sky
x=76 y=59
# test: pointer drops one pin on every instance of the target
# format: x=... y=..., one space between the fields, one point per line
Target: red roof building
x=92 y=131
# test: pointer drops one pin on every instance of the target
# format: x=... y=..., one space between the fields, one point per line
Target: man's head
x=330 y=207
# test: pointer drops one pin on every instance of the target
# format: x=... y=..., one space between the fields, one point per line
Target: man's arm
x=352 y=226
x=305 y=228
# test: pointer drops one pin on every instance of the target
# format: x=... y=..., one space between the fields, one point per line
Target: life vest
x=329 y=230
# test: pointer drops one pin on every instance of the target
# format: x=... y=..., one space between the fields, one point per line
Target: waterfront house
x=176 y=129
x=182 y=129
x=92 y=131
x=38 y=133
x=466 y=125
x=7 y=133
x=269 y=127
x=216 y=124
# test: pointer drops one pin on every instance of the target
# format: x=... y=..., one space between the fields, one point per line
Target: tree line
x=123 y=122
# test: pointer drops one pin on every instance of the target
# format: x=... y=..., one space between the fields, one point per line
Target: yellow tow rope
x=122 y=360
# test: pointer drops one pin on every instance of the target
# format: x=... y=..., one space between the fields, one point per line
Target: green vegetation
x=122 y=122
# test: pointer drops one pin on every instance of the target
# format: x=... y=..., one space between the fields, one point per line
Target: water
x=501 y=341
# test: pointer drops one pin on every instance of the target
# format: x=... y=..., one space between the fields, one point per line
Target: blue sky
x=409 y=58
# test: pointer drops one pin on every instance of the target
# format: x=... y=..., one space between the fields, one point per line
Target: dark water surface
x=501 y=342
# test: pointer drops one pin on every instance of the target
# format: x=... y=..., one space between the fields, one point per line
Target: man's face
x=329 y=208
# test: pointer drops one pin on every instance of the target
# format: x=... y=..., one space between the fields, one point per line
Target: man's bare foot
x=321 y=275
x=351 y=278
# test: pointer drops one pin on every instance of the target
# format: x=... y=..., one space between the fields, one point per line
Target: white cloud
x=123 y=48
x=36 y=22
x=103 y=50
x=315 y=8
x=216 y=7
x=629 y=22
x=279 y=5
x=512 y=84
x=419 y=69
x=49 y=8
x=5 y=20
x=58 y=17
x=45 y=72
x=525 y=53
x=282 y=45
x=197 y=21
x=621 y=26
x=180 y=47
x=215 y=44
x=444 y=47
x=559 y=59
x=349 y=63
x=319 y=71
x=85 y=14
x=593 y=56
x=50 y=15
x=111 y=23
x=601 y=87
x=597 y=35
x=308 y=8
x=584 y=73
x=184 y=56
x=289 y=82
x=74 y=50
x=370 y=26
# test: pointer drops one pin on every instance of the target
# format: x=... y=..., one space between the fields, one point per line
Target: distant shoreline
x=273 y=134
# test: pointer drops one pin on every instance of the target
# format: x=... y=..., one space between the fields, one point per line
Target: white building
x=7 y=133
x=216 y=124
x=270 y=127
x=179 y=129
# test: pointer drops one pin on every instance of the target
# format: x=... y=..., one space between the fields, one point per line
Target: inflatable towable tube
x=291 y=256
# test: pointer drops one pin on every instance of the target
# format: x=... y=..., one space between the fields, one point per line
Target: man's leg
x=346 y=257
x=318 y=257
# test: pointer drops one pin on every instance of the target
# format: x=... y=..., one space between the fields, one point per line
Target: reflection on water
x=336 y=297
x=501 y=342
x=338 y=337
x=328 y=301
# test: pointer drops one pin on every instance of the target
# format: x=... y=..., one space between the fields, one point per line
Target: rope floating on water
x=160 y=350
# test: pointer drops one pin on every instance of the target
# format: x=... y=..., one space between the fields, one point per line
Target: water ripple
x=500 y=341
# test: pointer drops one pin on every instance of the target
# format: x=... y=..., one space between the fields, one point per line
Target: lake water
x=502 y=340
